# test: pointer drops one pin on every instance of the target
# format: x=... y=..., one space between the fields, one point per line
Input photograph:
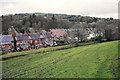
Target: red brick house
x=30 y=40
x=59 y=35
x=36 y=41
x=50 y=37
x=47 y=38
x=6 y=43
x=22 y=41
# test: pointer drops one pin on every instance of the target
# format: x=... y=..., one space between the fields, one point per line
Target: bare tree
x=13 y=32
x=71 y=36
x=80 y=30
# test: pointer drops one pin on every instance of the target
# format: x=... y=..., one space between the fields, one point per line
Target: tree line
x=106 y=27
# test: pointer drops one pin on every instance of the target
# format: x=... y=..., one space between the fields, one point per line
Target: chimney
x=40 y=34
x=29 y=36
x=55 y=36
x=13 y=34
x=51 y=32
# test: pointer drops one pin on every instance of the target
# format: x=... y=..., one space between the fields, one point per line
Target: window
x=32 y=46
x=36 y=41
x=28 y=41
x=39 y=41
x=61 y=37
x=31 y=41
x=3 y=45
x=42 y=40
x=40 y=44
x=18 y=48
x=17 y=42
x=20 y=41
x=46 y=39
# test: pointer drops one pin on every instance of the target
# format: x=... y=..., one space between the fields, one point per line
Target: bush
x=2 y=52
x=99 y=38
x=22 y=30
x=86 y=40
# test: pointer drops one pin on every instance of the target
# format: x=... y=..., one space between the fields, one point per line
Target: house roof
x=44 y=33
x=35 y=36
x=31 y=31
x=91 y=30
x=6 y=39
x=57 y=32
x=22 y=37
x=49 y=35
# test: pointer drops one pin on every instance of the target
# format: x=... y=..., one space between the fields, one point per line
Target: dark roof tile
x=6 y=39
x=35 y=36
x=22 y=37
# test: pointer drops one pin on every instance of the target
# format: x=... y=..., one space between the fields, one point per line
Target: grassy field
x=35 y=50
x=92 y=61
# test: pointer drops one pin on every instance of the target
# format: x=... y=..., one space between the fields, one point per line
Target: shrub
x=85 y=40
x=2 y=52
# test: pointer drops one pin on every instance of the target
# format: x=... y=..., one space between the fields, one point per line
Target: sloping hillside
x=93 y=61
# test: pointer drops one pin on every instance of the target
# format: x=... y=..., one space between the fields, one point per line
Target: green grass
x=34 y=51
x=93 y=61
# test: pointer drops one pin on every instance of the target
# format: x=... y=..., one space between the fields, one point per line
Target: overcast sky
x=96 y=8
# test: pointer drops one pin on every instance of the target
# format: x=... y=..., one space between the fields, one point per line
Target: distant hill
x=37 y=13
x=48 y=14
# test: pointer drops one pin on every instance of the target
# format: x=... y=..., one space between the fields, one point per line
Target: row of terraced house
x=29 y=41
